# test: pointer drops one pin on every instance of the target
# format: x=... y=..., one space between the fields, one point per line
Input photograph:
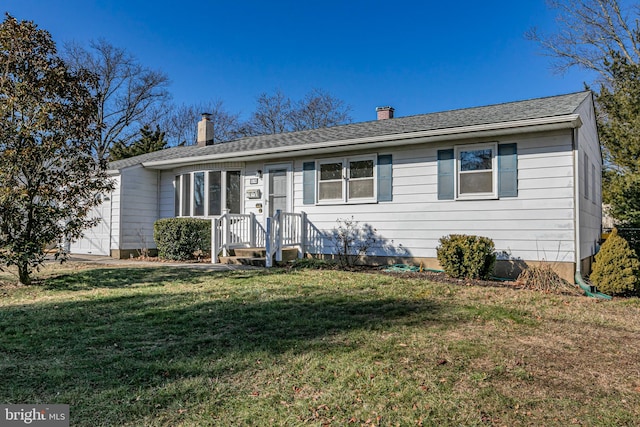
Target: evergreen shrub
x=616 y=269
x=180 y=239
x=468 y=257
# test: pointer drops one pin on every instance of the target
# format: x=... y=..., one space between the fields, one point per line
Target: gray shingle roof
x=520 y=110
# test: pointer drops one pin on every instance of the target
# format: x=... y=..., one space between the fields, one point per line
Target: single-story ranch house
x=525 y=174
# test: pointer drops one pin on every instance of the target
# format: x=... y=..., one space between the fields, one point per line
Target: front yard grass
x=179 y=347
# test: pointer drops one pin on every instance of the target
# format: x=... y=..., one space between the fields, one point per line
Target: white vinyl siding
x=139 y=202
x=590 y=211
x=537 y=224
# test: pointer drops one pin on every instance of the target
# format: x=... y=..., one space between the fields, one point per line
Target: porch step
x=255 y=256
x=241 y=260
x=249 y=252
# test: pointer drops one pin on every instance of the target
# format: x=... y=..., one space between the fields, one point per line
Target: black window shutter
x=507 y=170
x=446 y=174
x=309 y=183
x=385 y=178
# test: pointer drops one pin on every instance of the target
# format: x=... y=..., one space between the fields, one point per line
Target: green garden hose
x=589 y=290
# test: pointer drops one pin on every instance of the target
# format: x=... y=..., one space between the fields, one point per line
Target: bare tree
x=319 y=109
x=180 y=122
x=276 y=113
x=129 y=95
x=588 y=32
x=272 y=115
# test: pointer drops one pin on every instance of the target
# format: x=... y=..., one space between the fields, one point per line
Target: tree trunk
x=24 y=275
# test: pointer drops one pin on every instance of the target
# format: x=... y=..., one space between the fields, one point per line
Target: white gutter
x=569 y=121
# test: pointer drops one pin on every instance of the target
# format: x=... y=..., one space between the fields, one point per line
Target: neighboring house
x=526 y=174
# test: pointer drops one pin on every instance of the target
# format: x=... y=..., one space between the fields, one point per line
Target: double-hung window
x=476 y=171
x=349 y=180
x=479 y=171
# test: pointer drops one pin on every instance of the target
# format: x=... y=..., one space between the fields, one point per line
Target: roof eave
x=475 y=131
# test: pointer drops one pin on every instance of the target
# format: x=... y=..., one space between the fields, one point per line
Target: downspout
x=589 y=290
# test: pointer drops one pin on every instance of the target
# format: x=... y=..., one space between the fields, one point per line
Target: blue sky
x=417 y=56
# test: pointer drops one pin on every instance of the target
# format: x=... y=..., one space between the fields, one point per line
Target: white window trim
x=223 y=195
x=494 y=171
x=345 y=200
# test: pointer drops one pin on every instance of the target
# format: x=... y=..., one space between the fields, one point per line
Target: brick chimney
x=385 y=113
x=205 y=130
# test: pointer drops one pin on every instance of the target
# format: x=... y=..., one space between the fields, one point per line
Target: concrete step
x=249 y=252
x=239 y=260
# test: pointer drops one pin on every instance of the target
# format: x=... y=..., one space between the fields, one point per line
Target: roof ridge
x=492 y=113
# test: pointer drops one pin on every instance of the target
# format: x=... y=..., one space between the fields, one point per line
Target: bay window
x=205 y=193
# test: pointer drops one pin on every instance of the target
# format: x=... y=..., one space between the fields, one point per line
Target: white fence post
x=279 y=235
x=226 y=232
x=252 y=230
x=215 y=244
x=303 y=234
x=267 y=243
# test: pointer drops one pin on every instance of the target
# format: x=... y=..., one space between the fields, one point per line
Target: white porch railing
x=284 y=229
x=235 y=231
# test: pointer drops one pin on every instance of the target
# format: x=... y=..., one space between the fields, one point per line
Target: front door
x=278 y=188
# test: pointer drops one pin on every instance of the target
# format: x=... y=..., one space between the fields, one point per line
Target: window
x=176 y=196
x=593 y=183
x=215 y=193
x=198 y=194
x=186 y=195
x=233 y=192
x=201 y=193
x=361 y=179
x=330 y=186
x=476 y=171
x=471 y=172
x=586 y=176
x=350 y=180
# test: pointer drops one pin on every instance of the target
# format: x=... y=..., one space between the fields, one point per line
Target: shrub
x=470 y=257
x=180 y=238
x=351 y=240
x=616 y=269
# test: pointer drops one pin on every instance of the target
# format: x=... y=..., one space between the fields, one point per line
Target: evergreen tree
x=615 y=271
x=149 y=141
x=49 y=176
x=619 y=129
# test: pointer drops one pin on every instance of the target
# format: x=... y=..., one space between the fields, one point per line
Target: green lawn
x=162 y=346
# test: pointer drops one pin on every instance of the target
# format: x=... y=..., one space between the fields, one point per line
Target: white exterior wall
x=115 y=213
x=536 y=225
x=139 y=197
x=100 y=239
x=590 y=207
